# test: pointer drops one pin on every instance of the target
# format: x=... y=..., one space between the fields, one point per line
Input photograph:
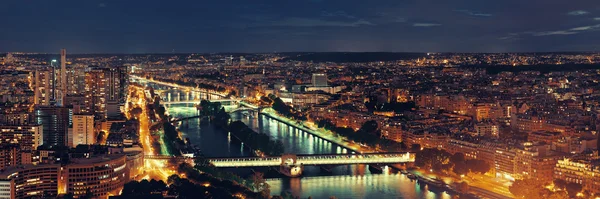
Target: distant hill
x=346 y=57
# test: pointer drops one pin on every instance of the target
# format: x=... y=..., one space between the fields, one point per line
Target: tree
x=460 y=168
x=560 y=184
x=527 y=188
x=415 y=147
x=558 y=195
x=573 y=189
x=260 y=185
x=457 y=157
x=478 y=166
x=174 y=180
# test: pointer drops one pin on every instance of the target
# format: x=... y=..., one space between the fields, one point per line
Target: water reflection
x=345 y=181
x=353 y=186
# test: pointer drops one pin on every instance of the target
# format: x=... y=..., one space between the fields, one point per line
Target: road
x=153 y=169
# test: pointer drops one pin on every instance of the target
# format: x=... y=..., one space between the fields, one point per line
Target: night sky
x=144 y=26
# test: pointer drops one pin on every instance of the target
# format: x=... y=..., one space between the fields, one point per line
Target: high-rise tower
x=63 y=75
x=319 y=80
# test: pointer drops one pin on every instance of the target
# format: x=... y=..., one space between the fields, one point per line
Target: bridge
x=336 y=159
x=173 y=85
x=224 y=102
x=187 y=118
x=166 y=157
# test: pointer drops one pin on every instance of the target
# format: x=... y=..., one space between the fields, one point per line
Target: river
x=349 y=181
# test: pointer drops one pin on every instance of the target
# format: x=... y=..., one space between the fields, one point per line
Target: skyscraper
x=63 y=76
x=82 y=131
x=56 y=121
x=104 y=87
x=229 y=61
x=319 y=80
x=43 y=85
x=75 y=80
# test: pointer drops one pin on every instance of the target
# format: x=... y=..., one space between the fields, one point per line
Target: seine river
x=350 y=181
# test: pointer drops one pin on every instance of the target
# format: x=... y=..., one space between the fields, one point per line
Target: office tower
x=96 y=92
x=75 y=80
x=82 y=131
x=56 y=121
x=103 y=88
x=229 y=61
x=123 y=76
x=242 y=60
x=319 y=80
x=10 y=155
x=28 y=137
x=43 y=86
x=63 y=76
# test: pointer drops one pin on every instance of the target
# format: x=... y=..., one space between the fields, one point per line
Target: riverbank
x=320 y=133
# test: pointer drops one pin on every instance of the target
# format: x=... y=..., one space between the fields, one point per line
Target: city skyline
x=307 y=26
x=270 y=99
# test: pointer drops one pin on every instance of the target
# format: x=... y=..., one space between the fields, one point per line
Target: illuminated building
x=103 y=88
x=5 y=190
x=55 y=121
x=583 y=171
x=229 y=61
x=544 y=136
x=43 y=85
x=425 y=138
x=28 y=137
x=82 y=131
x=482 y=111
x=8 y=59
x=319 y=80
x=535 y=161
x=16 y=118
x=76 y=102
x=63 y=76
x=33 y=181
x=504 y=163
x=487 y=128
x=102 y=175
x=242 y=60
x=10 y=155
x=76 y=80
x=574 y=144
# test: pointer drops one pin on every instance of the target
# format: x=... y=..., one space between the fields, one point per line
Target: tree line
x=257 y=141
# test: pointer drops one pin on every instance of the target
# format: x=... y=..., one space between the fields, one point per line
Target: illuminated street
x=153 y=169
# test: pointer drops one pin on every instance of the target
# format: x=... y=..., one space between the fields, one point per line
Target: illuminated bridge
x=165 y=157
x=173 y=85
x=224 y=102
x=337 y=159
